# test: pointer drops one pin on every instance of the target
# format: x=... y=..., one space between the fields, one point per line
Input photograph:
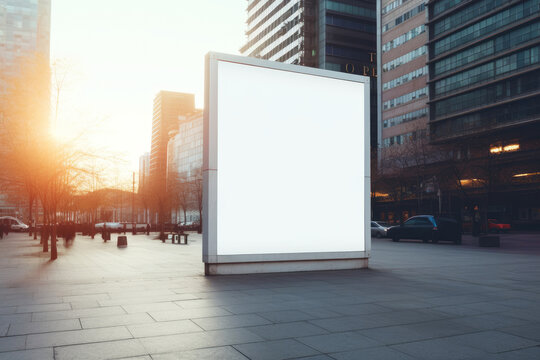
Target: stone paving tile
x=415 y=332
x=231 y=321
x=5 y=310
x=287 y=316
x=154 y=307
x=12 y=343
x=44 y=326
x=184 y=342
x=529 y=331
x=440 y=349
x=84 y=304
x=135 y=299
x=494 y=341
x=116 y=320
x=86 y=297
x=4 y=327
x=163 y=328
x=522 y=354
x=77 y=337
x=359 y=309
x=346 y=323
x=43 y=308
x=15 y=318
x=36 y=354
x=286 y=330
x=188 y=314
x=378 y=353
x=225 y=353
x=490 y=321
x=81 y=313
x=100 y=351
x=339 y=342
x=275 y=350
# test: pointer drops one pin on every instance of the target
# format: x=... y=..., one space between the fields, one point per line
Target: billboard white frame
x=216 y=263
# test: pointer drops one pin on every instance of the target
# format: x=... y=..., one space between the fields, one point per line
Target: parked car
x=14 y=223
x=427 y=228
x=378 y=229
x=494 y=225
x=111 y=226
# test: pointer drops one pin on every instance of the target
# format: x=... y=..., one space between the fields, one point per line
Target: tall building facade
x=168 y=106
x=184 y=173
x=484 y=101
x=24 y=30
x=336 y=35
x=402 y=57
x=459 y=109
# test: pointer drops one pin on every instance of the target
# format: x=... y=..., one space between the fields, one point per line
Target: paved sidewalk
x=151 y=301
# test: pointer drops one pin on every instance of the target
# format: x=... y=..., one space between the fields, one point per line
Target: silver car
x=378 y=229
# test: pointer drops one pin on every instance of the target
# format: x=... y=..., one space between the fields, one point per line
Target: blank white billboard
x=287 y=149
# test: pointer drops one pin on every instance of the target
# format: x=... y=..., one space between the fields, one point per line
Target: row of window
x=348 y=23
x=393 y=5
x=486 y=95
x=507 y=114
x=402 y=39
x=488 y=25
x=271 y=27
x=467 y=13
x=276 y=36
x=350 y=9
x=346 y=52
x=408 y=57
x=488 y=71
x=403 y=138
x=417 y=94
x=443 y=5
x=405 y=118
x=405 y=78
x=496 y=45
x=406 y=16
x=294 y=36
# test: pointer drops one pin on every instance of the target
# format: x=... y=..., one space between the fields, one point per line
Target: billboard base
x=283 y=266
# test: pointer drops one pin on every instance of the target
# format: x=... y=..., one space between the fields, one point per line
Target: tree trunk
x=54 y=249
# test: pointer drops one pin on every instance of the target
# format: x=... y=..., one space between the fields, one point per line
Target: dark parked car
x=427 y=228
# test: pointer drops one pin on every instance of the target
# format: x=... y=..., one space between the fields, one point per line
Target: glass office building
x=24 y=30
x=484 y=67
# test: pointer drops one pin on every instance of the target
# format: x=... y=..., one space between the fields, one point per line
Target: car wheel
x=425 y=239
x=434 y=238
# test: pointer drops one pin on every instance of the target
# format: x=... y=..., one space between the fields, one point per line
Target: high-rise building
x=168 y=106
x=24 y=30
x=184 y=173
x=403 y=90
x=459 y=109
x=144 y=171
x=336 y=35
x=484 y=101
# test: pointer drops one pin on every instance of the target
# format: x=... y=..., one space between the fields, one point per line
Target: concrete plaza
x=152 y=301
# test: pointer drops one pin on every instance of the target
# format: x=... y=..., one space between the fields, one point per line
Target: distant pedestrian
x=6 y=228
x=147 y=229
x=1 y=230
x=476 y=221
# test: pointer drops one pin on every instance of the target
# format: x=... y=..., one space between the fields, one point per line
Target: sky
x=116 y=55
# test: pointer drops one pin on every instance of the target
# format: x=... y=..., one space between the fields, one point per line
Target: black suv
x=427 y=228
